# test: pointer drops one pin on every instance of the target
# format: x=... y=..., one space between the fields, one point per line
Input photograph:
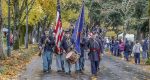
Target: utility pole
x=8 y=33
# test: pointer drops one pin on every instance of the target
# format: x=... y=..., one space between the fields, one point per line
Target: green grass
x=148 y=61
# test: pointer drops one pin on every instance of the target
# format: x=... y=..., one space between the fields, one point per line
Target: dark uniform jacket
x=48 y=45
x=93 y=45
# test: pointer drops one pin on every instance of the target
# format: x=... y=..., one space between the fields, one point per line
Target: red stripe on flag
x=58 y=33
x=57 y=26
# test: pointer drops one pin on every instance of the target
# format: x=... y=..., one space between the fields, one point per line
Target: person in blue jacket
x=46 y=46
x=127 y=50
x=145 y=50
x=66 y=46
x=116 y=47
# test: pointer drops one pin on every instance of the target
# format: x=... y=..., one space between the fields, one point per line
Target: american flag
x=58 y=28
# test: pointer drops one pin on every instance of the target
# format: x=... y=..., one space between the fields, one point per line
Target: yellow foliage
x=75 y=1
x=110 y=33
x=48 y=7
x=35 y=14
x=87 y=20
x=72 y=14
x=65 y=24
x=4 y=9
x=42 y=8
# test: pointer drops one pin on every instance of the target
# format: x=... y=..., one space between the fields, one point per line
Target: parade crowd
x=91 y=45
x=127 y=49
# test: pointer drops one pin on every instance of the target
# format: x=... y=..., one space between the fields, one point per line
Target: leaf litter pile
x=11 y=66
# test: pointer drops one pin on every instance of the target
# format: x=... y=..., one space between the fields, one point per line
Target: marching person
x=101 y=45
x=46 y=47
x=94 y=54
x=66 y=45
x=82 y=56
x=59 y=58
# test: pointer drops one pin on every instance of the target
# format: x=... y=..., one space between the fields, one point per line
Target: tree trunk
x=8 y=33
x=125 y=29
x=38 y=32
x=16 y=22
x=22 y=34
x=149 y=31
x=138 y=37
x=1 y=43
x=26 y=36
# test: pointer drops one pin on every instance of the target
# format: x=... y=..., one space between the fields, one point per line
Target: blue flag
x=77 y=31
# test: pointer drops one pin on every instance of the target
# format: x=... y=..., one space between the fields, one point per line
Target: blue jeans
x=126 y=54
x=94 y=67
x=60 y=61
x=77 y=65
x=137 y=58
x=144 y=55
x=67 y=66
x=81 y=61
x=107 y=45
x=115 y=51
x=112 y=50
x=47 y=60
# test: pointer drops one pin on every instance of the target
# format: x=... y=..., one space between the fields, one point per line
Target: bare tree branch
x=22 y=9
x=20 y=22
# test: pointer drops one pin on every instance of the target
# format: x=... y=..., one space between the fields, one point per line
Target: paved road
x=111 y=68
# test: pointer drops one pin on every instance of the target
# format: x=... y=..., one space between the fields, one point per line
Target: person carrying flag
x=82 y=56
x=58 y=38
x=77 y=35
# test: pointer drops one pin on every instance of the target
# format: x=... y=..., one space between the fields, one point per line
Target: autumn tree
x=26 y=35
x=149 y=22
x=1 y=24
x=19 y=17
x=49 y=9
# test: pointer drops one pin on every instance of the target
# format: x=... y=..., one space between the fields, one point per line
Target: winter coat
x=137 y=48
x=145 y=45
x=121 y=46
x=128 y=47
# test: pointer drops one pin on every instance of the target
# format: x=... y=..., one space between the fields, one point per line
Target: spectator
x=107 y=43
x=127 y=50
x=116 y=47
x=11 y=39
x=137 y=48
x=145 y=50
x=112 y=46
x=121 y=48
